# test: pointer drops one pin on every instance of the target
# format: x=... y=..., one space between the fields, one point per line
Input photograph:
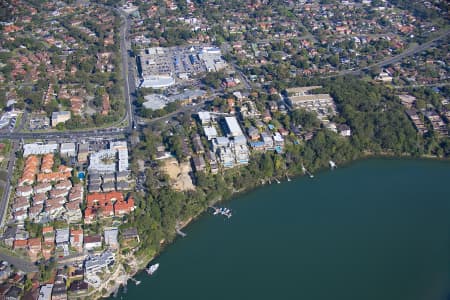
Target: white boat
x=332 y=164
x=152 y=269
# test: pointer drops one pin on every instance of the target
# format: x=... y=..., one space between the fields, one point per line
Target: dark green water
x=377 y=229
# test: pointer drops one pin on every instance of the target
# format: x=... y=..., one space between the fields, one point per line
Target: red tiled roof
x=18 y=244
x=47 y=229
x=34 y=242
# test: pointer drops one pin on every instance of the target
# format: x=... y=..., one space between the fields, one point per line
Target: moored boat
x=152 y=269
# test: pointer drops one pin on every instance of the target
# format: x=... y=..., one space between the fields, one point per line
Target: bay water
x=375 y=229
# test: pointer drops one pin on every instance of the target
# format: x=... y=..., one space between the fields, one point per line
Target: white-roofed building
x=220 y=142
x=95 y=263
x=233 y=126
x=110 y=160
x=157 y=81
x=123 y=160
x=111 y=235
x=60 y=117
x=242 y=154
x=118 y=145
x=205 y=117
x=62 y=236
x=103 y=161
x=39 y=149
x=45 y=293
x=68 y=149
x=210 y=132
x=226 y=157
x=240 y=140
x=155 y=101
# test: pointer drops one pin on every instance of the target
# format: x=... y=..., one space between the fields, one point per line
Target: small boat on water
x=152 y=269
x=332 y=164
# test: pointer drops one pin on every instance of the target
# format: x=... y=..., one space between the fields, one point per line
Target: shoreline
x=141 y=265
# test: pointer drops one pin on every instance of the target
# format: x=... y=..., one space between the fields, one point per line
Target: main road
x=7 y=188
x=394 y=59
x=128 y=77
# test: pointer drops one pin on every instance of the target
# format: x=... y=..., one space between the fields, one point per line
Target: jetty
x=181 y=233
x=287 y=177
x=277 y=180
x=137 y=282
x=305 y=171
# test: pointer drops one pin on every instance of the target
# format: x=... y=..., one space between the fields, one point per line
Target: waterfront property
x=322 y=104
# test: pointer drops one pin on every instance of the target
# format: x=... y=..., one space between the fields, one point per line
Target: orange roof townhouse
x=39 y=198
x=64 y=169
x=76 y=194
x=72 y=206
x=102 y=198
x=124 y=207
x=24 y=191
x=54 y=207
x=20 y=203
x=114 y=196
x=102 y=211
x=47 y=163
x=29 y=171
x=95 y=198
x=90 y=214
x=106 y=210
x=53 y=177
x=20 y=215
x=35 y=210
x=58 y=193
x=27 y=178
x=64 y=185
x=73 y=212
x=42 y=188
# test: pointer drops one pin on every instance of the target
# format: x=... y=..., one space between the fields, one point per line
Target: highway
x=394 y=59
x=74 y=135
x=411 y=51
